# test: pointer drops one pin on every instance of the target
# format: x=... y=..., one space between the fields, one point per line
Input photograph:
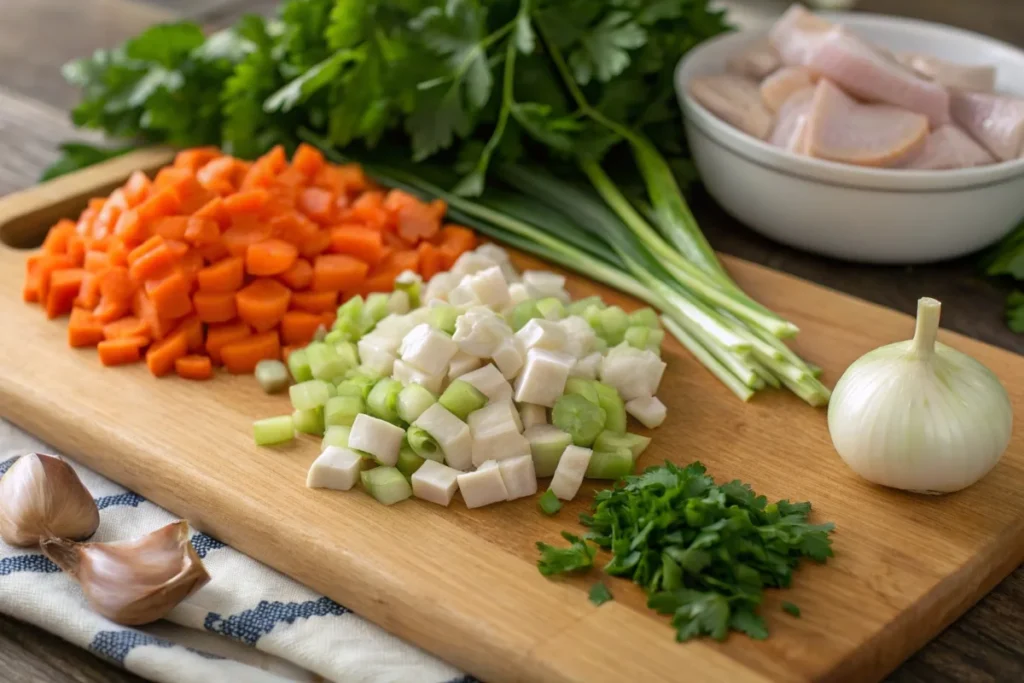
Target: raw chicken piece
x=864 y=72
x=796 y=33
x=962 y=76
x=735 y=100
x=756 y=61
x=993 y=120
x=777 y=88
x=840 y=129
x=791 y=127
x=949 y=147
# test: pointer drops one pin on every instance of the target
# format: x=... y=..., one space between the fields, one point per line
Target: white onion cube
x=519 y=477
x=439 y=287
x=463 y=296
x=472 y=262
x=461 y=363
x=483 y=487
x=435 y=483
x=490 y=287
x=380 y=439
x=518 y=293
x=336 y=468
x=509 y=358
x=494 y=414
x=451 y=434
x=587 y=367
x=428 y=349
x=633 y=372
x=375 y=355
x=498 y=442
x=531 y=415
x=579 y=335
x=480 y=331
x=542 y=334
x=570 y=472
x=542 y=283
x=407 y=374
x=649 y=410
x=542 y=380
x=490 y=382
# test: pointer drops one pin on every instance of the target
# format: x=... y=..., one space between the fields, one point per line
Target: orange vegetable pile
x=220 y=261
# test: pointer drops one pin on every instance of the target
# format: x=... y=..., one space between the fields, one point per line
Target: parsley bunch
x=704 y=552
x=1007 y=259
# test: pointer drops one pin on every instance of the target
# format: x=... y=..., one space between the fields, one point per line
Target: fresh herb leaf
x=76 y=156
x=577 y=557
x=604 y=51
x=747 y=621
x=599 y=594
x=549 y=503
x=790 y=608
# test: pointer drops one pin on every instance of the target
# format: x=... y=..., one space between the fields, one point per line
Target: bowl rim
x=765 y=154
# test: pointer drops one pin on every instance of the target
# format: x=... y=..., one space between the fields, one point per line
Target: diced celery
x=423 y=444
x=382 y=400
x=310 y=421
x=374 y=310
x=582 y=387
x=413 y=400
x=342 y=410
x=610 y=464
x=324 y=362
x=335 y=337
x=311 y=394
x=410 y=283
x=547 y=443
x=298 y=365
x=614 y=407
x=637 y=336
x=320 y=333
x=655 y=337
x=336 y=435
x=332 y=390
x=348 y=353
x=579 y=306
x=443 y=317
x=462 y=398
x=357 y=385
x=551 y=308
x=612 y=325
x=273 y=430
x=350 y=311
x=610 y=441
x=645 y=317
x=579 y=417
x=523 y=313
x=549 y=503
x=599 y=345
x=408 y=461
x=272 y=376
x=386 y=485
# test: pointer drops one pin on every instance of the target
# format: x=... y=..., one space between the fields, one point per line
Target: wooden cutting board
x=463 y=584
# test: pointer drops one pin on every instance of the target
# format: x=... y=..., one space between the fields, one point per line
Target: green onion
x=582 y=387
x=299 y=366
x=423 y=444
x=610 y=464
x=638 y=337
x=342 y=410
x=386 y=484
x=551 y=308
x=272 y=376
x=549 y=503
x=310 y=421
x=522 y=313
x=311 y=394
x=462 y=398
x=610 y=441
x=335 y=435
x=579 y=417
x=547 y=443
x=382 y=400
x=273 y=430
x=412 y=401
x=408 y=462
x=443 y=317
x=645 y=317
x=614 y=407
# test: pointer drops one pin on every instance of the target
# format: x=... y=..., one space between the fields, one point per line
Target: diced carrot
x=192 y=327
x=39 y=276
x=129 y=326
x=116 y=284
x=111 y=212
x=89 y=293
x=224 y=276
x=289 y=350
x=222 y=175
x=292 y=178
x=149 y=245
x=214 y=307
x=214 y=253
x=318 y=204
x=314 y=302
x=381 y=281
x=129 y=227
x=109 y=310
x=308 y=160
x=243 y=355
x=244 y=233
x=155 y=264
x=250 y=201
x=195 y=158
x=221 y=334
x=170 y=227
x=178 y=248
x=457 y=237
x=170 y=295
x=214 y=210
x=399 y=261
x=298 y=327
x=160 y=203
x=368 y=209
x=136 y=189
x=431 y=260
x=366 y=244
x=143 y=308
x=415 y=222
x=121 y=351
x=170 y=176
x=263 y=303
x=96 y=261
x=191 y=262
x=299 y=276
x=316 y=244
x=193 y=367
x=200 y=231
x=57 y=238
x=161 y=355
x=293 y=227
x=76 y=250
x=84 y=329
x=341 y=180
x=64 y=286
x=270 y=257
x=118 y=253
x=337 y=272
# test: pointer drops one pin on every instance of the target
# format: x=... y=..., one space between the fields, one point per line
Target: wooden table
x=37 y=36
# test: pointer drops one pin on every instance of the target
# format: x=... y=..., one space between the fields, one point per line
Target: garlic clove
x=133 y=582
x=42 y=497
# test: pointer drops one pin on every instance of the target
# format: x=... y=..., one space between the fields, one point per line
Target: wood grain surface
x=463 y=584
x=986 y=644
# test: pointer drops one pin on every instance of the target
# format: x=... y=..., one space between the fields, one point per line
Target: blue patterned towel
x=250 y=623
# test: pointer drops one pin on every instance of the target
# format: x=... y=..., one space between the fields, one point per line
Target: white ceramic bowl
x=848 y=212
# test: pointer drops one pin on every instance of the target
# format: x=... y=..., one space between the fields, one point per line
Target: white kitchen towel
x=249 y=624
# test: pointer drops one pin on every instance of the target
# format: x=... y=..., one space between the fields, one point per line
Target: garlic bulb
x=42 y=497
x=920 y=416
x=133 y=582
